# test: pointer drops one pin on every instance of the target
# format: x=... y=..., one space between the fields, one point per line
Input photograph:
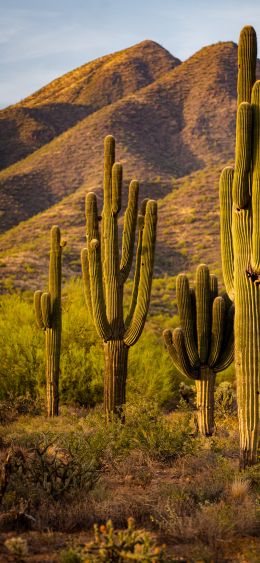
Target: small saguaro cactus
x=105 y=273
x=240 y=244
x=48 y=316
x=203 y=344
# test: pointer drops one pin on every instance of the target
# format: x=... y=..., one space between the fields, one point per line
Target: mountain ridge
x=174 y=135
x=36 y=120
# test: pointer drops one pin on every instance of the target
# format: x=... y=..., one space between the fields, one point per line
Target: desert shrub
x=17 y=547
x=22 y=369
x=186 y=396
x=206 y=511
x=11 y=409
x=227 y=375
x=70 y=555
x=151 y=373
x=81 y=364
x=118 y=546
x=145 y=429
x=226 y=519
x=162 y=439
x=21 y=366
x=50 y=465
x=225 y=399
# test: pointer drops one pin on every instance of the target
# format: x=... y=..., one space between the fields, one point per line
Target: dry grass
x=197 y=502
x=239 y=489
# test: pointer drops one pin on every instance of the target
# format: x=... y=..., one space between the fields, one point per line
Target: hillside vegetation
x=174 y=125
x=154 y=482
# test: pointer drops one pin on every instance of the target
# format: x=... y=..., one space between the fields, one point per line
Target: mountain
x=174 y=125
x=35 y=121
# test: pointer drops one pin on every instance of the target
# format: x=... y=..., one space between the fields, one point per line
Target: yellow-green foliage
x=112 y=545
x=81 y=379
x=21 y=366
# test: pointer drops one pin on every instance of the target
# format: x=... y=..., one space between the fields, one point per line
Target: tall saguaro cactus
x=48 y=316
x=203 y=344
x=240 y=244
x=105 y=273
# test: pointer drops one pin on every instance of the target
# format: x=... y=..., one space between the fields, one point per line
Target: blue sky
x=42 y=39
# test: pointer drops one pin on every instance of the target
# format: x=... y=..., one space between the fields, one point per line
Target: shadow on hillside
x=156 y=127
x=27 y=196
x=24 y=130
x=168 y=261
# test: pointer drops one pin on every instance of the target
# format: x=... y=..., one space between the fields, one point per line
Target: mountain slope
x=188 y=230
x=180 y=123
x=174 y=135
x=38 y=119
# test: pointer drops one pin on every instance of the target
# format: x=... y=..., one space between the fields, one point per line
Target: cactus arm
x=181 y=363
x=243 y=156
x=194 y=313
x=55 y=270
x=226 y=355
x=217 y=331
x=179 y=342
x=117 y=178
x=92 y=218
x=113 y=287
x=95 y=268
x=86 y=280
x=110 y=252
x=256 y=178
x=135 y=328
x=97 y=296
x=247 y=53
x=109 y=159
x=227 y=250
x=187 y=320
x=203 y=301
x=130 y=219
x=167 y=336
x=46 y=309
x=175 y=344
x=137 y=264
x=38 y=309
x=213 y=287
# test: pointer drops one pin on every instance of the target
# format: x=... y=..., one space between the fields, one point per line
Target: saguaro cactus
x=240 y=244
x=203 y=344
x=104 y=273
x=48 y=316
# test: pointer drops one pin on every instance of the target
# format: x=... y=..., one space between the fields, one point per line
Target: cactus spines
x=48 y=317
x=240 y=244
x=203 y=344
x=104 y=273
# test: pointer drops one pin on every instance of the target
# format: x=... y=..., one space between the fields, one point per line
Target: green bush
x=151 y=374
x=225 y=399
x=47 y=465
x=81 y=379
x=146 y=429
x=22 y=367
